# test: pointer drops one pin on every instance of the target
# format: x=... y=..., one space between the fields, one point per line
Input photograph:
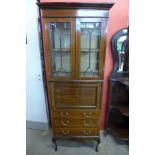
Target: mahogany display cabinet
x=74 y=44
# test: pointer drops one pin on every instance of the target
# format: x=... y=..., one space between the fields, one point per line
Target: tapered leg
x=54 y=141
x=98 y=142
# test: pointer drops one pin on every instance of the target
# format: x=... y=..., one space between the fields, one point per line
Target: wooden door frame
x=101 y=51
x=48 y=48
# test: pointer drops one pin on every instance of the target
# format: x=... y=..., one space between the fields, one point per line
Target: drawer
x=75 y=132
x=76 y=114
x=76 y=122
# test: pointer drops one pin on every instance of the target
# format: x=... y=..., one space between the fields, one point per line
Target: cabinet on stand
x=74 y=43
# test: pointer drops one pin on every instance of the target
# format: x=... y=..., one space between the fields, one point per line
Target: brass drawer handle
x=65 y=132
x=87 y=122
x=87 y=114
x=64 y=123
x=64 y=114
x=87 y=132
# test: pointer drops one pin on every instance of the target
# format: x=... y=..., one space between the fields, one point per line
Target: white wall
x=35 y=99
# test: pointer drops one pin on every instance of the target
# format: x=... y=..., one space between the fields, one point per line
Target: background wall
x=118 y=18
x=36 y=114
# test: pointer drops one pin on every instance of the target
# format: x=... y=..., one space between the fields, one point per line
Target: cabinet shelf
x=61 y=73
x=118 y=123
x=122 y=108
x=123 y=133
x=91 y=50
x=89 y=74
x=124 y=81
x=61 y=50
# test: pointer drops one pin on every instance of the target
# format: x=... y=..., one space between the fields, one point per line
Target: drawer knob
x=64 y=123
x=87 y=132
x=65 y=132
x=87 y=114
x=87 y=122
x=64 y=114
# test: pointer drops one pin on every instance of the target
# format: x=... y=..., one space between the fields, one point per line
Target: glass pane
x=60 y=40
x=90 y=47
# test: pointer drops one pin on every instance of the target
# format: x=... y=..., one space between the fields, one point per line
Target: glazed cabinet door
x=59 y=48
x=89 y=48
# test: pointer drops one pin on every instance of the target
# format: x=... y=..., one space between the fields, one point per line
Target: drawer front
x=76 y=114
x=76 y=123
x=75 y=132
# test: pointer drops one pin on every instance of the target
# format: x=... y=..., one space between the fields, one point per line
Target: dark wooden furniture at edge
x=74 y=43
x=118 y=111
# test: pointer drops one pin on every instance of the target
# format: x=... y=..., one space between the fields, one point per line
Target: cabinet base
x=54 y=139
x=119 y=140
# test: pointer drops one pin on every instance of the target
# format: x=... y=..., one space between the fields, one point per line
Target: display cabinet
x=74 y=43
x=118 y=111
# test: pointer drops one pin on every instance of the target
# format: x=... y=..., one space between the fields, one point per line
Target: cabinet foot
x=54 y=141
x=98 y=142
